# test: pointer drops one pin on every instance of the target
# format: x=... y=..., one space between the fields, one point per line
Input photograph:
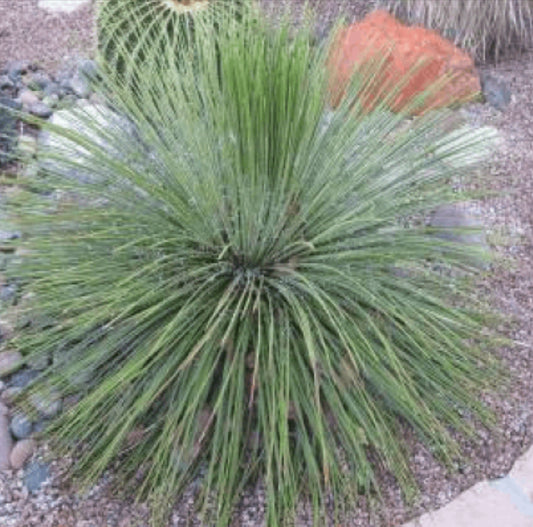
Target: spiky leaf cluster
x=239 y=284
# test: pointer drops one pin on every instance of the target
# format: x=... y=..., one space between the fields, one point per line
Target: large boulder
x=412 y=60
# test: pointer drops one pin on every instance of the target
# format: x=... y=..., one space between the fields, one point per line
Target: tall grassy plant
x=489 y=29
x=240 y=285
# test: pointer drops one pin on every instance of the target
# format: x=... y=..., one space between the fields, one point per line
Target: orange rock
x=412 y=60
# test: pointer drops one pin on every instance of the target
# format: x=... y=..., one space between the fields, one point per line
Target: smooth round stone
x=8 y=294
x=23 y=378
x=10 y=394
x=21 y=453
x=51 y=100
x=496 y=92
x=88 y=69
x=41 y=110
x=6 y=236
x=41 y=425
x=8 y=128
x=6 y=82
x=39 y=81
x=38 y=361
x=62 y=6
x=35 y=474
x=28 y=98
x=52 y=88
x=13 y=104
x=16 y=68
x=48 y=405
x=10 y=361
x=6 y=441
x=21 y=426
x=80 y=86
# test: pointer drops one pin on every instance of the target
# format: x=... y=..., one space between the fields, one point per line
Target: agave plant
x=240 y=285
x=486 y=28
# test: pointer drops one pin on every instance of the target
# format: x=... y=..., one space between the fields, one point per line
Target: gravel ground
x=508 y=217
x=29 y=33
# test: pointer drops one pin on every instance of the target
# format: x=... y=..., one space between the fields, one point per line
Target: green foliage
x=486 y=28
x=241 y=285
x=126 y=27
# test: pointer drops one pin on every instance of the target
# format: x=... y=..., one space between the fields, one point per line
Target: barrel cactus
x=488 y=29
x=126 y=27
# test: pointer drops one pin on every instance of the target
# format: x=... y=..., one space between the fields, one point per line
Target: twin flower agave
x=245 y=284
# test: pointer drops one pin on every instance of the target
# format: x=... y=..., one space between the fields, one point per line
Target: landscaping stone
x=457 y=224
x=9 y=236
x=23 y=378
x=381 y=36
x=51 y=100
x=47 y=404
x=21 y=453
x=62 y=6
x=21 y=426
x=35 y=474
x=16 y=68
x=80 y=86
x=38 y=361
x=6 y=442
x=86 y=121
x=9 y=394
x=39 y=81
x=10 y=361
x=88 y=69
x=8 y=294
x=8 y=131
x=40 y=109
x=29 y=98
x=40 y=425
x=6 y=82
x=52 y=88
x=496 y=92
